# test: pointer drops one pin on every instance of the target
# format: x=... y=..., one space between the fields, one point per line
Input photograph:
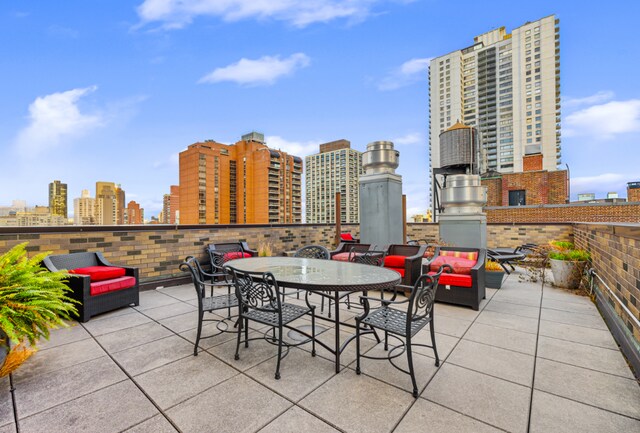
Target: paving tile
x=114 y=313
x=80 y=415
x=427 y=416
x=455 y=311
x=9 y=428
x=58 y=358
x=157 y=424
x=210 y=329
x=237 y=405
x=382 y=369
x=550 y=413
x=358 y=403
x=495 y=401
x=153 y=299
x=508 y=321
x=258 y=351
x=297 y=420
x=602 y=390
x=131 y=337
x=578 y=334
x=515 y=309
x=6 y=405
x=181 y=323
x=116 y=323
x=349 y=353
x=582 y=355
x=58 y=337
x=182 y=293
x=170 y=310
x=151 y=355
x=444 y=343
x=451 y=326
x=565 y=295
x=177 y=381
x=297 y=365
x=522 y=342
x=505 y=364
x=577 y=319
x=569 y=306
x=46 y=390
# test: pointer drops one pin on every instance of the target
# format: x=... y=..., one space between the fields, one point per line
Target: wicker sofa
x=465 y=285
x=406 y=260
x=96 y=284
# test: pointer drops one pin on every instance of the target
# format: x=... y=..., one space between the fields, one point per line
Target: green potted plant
x=567 y=264
x=32 y=300
x=494 y=274
x=264 y=249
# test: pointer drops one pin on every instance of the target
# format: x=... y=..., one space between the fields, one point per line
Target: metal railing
x=593 y=274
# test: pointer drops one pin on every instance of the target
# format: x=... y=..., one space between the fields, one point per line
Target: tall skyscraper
x=171 y=206
x=58 y=198
x=242 y=183
x=336 y=168
x=134 y=213
x=120 y=205
x=508 y=87
x=106 y=207
x=84 y=209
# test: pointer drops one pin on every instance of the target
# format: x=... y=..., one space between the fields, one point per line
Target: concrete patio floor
x=530 y=360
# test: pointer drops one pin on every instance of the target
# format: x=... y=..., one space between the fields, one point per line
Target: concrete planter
x=567 y=274
x=493 y=279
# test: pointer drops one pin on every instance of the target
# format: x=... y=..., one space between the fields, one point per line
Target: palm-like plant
x=32 y=299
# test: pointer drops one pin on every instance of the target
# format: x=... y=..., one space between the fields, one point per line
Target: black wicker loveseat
x=96 y=284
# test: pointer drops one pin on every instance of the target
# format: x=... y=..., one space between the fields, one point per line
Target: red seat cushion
x=394 y=261
x=398 y=270
x=454 y=279
x=100 y=273
x=465 y=255
x=460 y=265
x=342 y=257
x=346 y=236
x=235 y=255
x=107 y=286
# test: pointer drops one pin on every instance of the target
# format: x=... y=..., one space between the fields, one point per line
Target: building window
x=517 y=197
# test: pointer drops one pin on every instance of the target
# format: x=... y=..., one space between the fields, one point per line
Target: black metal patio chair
x=311 y=252
x=259 y=300
x=212 y=302
x=402 y=324
x=371 y=257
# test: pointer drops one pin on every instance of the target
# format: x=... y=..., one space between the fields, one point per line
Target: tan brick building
x=633 y=191
x=135 y=214
x=242 y=183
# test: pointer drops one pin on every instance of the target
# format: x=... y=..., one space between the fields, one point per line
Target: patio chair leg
x=313 y=332
x=229 y=307
x=358 y=347
x=237 y=355
x=279 y=352
x=386 y=340
x=195 y=347
x=246 y=332
x=411 y=371
x=433 y=342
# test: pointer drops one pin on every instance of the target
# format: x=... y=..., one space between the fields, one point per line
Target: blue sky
x=113 y=90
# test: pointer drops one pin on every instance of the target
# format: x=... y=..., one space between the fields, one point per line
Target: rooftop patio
x=531 y=359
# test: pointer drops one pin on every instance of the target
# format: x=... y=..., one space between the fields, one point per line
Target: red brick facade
x=633 y=194
x=541 y=187
x=532 y=162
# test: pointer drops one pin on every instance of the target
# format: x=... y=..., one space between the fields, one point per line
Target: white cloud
x=602 y=96
x=604 y=121
x=600 y=183
x=53 y=118
x=410 y=138
x=409 y=72
x=295 y=148
x=179 y=13
x=265 y=70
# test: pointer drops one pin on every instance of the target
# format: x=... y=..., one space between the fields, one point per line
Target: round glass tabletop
x=302 y=273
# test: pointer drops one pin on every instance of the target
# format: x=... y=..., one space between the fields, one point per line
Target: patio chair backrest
x=313 y=252
x=422 y=297
x=192 y=266
x=256 y=291
x=403 y=250
x=219 y=254
x=74 y=260
x=374 y=258
x=356 y=247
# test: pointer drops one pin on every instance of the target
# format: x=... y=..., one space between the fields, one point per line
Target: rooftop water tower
x=381 y=196
x=461 y=196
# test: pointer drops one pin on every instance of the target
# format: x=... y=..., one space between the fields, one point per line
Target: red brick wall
x=494 y=191
x=633 y=194
x=532 y=162
x=542 y=187
x=593 y=212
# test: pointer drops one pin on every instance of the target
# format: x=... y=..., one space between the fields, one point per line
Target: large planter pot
x=567 y=274
x=4 y=347
x=493 y=279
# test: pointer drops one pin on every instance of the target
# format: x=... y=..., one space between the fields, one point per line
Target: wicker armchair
x=406 y=260
x=345 y=248
x=101 y=294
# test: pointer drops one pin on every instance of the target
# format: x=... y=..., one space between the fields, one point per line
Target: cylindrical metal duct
x=380 y=157
x=464 y=194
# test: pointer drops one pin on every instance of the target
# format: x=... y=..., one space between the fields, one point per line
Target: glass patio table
x=329 y=276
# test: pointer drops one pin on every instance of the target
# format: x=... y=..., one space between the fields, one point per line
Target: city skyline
x=128 y=88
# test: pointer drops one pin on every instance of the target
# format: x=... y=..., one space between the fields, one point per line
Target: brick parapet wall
x=592 y=212
x=615 y=253
x=633 y=194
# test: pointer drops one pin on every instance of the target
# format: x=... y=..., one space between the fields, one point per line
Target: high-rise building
x=58 y=198
x=171 y=206
x=336 y=168
x=134 y=213
x=84 y=209
x=106 y=206
x=242 y=183
x=508 y=87
x=120 y=205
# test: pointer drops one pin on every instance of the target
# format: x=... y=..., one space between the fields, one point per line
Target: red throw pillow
x=346 y=236
x=235 y=255
x=341 y=257
x=100 y=273
x=394 y=261
x=460 y=265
